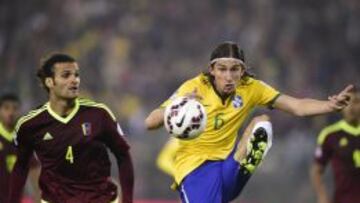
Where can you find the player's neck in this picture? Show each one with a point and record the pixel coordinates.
(61, 107)
(223, 96)
(353, 122)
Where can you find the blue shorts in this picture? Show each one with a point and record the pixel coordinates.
(214, 182)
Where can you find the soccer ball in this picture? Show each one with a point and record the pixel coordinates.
(185, 118)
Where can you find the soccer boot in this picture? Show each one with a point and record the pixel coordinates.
(258, 145)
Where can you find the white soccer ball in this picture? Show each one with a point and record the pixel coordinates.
(185, 118)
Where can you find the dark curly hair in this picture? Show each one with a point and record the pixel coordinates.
(47, 66)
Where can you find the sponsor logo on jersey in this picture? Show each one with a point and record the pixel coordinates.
(48, 136)
(237, 101)
(86, 128)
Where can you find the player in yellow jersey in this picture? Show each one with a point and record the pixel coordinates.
(211, 168)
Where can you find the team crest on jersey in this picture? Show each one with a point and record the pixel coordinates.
(343, 142)
(86, 128)
(237, 101)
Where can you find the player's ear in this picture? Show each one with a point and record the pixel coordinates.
(242, 71)
(211, 69)
(49, 82)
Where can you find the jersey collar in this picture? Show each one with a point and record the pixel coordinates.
(66, 119)
(5, 133)
(349, 128)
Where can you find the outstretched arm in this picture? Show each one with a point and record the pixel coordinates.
(316, 172)
(308, 107)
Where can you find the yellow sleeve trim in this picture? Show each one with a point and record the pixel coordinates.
(29, 116)
(88, 102)
(327, 131)
(272, 102)
(341, 125)
(5, 133)
(355, 131)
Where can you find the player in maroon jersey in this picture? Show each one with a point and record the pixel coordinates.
(70, 136)
(339, 144)
(9, 113)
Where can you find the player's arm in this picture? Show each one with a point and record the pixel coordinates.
(316, 173)
(308, 107)
(126, 176)
(114, 139)
(323, 154)
(155, 119)
(19, 173)
(34, 174)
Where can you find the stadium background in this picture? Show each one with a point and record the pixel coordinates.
(134, 53)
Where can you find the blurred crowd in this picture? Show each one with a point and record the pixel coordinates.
(134, 53)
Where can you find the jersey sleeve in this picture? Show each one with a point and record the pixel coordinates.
(166, 158)
(114, 136)
(324, 149)
(21, 168)
(115, 140)
(186, 88)
(265, 94)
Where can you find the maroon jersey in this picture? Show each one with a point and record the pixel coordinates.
(340, 144)
(75, 166)
(7, 161)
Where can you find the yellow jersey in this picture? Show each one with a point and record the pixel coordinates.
(166, 157)
(224, 119)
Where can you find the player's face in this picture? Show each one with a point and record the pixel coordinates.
(66, 81)
(352, 112)
(227, 74)
(9, 112)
